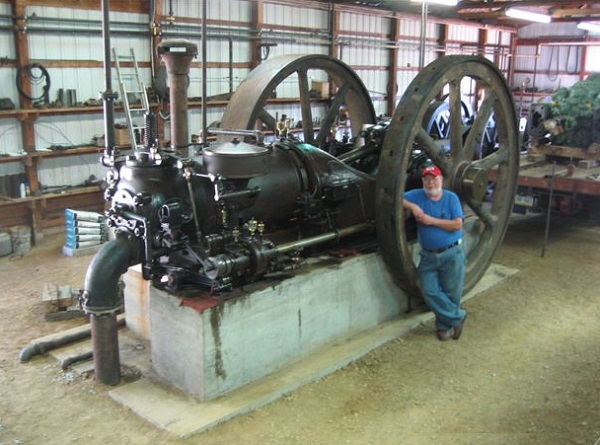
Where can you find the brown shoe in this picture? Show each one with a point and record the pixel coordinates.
(458, 329)
(443, 335)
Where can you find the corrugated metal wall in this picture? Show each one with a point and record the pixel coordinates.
(546, 66)
(368, 52)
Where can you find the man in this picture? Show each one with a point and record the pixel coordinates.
(439, 217)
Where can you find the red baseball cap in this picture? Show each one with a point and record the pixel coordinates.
(431, 170)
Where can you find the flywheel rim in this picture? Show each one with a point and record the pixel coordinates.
(486, 226)
(247, 105)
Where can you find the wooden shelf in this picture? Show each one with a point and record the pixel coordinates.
(72, 191)
(59, 153)
(23, 113)
(47, 210)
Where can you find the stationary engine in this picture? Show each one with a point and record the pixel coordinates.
(237, 211)
(241, 209)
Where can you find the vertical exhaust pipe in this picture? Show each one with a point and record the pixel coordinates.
(177, 54)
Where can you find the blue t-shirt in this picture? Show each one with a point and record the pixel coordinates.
(447, 207)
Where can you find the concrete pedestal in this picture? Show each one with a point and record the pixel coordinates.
(209, 346)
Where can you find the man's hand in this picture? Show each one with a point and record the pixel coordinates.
(425, 219)
(416, 211)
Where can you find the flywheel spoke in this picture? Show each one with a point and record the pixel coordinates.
(331, 114)
(307, 119)
(268, 119)
(492, 160)
(456, 143)
(476, 133)
(433, 150)
(483, 213)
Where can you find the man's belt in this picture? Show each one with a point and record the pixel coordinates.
(443, 249)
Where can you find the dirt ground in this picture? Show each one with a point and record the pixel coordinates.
(526, 371)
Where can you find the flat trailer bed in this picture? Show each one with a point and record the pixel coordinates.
(569, 176)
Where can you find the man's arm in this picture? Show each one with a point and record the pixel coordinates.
(452, 225)
(416, 211)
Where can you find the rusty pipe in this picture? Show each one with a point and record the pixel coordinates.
(101, 302)
(105, 348)
(177, 54)
(49, 342)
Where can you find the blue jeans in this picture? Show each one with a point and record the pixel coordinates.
(442, 277)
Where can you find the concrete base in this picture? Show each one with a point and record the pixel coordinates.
(183, 416)
(212, 345)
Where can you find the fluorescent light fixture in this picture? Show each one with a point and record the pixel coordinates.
(438, 2)
(589, 26)
(523, 14)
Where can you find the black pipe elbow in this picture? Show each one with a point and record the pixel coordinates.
(102, 277)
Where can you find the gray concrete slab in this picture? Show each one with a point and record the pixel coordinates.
(209, 346)
(184, 416)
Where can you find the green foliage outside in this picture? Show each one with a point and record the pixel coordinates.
(574, 107)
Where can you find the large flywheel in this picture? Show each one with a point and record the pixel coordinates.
(289, 76)
(487, 205)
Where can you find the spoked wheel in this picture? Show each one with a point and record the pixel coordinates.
(487, 214)
(290, 76)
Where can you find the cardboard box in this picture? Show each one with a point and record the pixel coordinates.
(122, 136)
(321, 87)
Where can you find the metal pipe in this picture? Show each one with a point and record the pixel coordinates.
(223, 265)
(102, 278)
(177, 56)
(180, 30)
(105, 347)
(108, 96)
(239, 193)
(319, 239)
(423, 36)
(204, 75)
(41, 346)
(101, 301)
(153, 29)
(549, 210)
(257, 134)
(230, 41)
(52, 341)
(357, 153)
